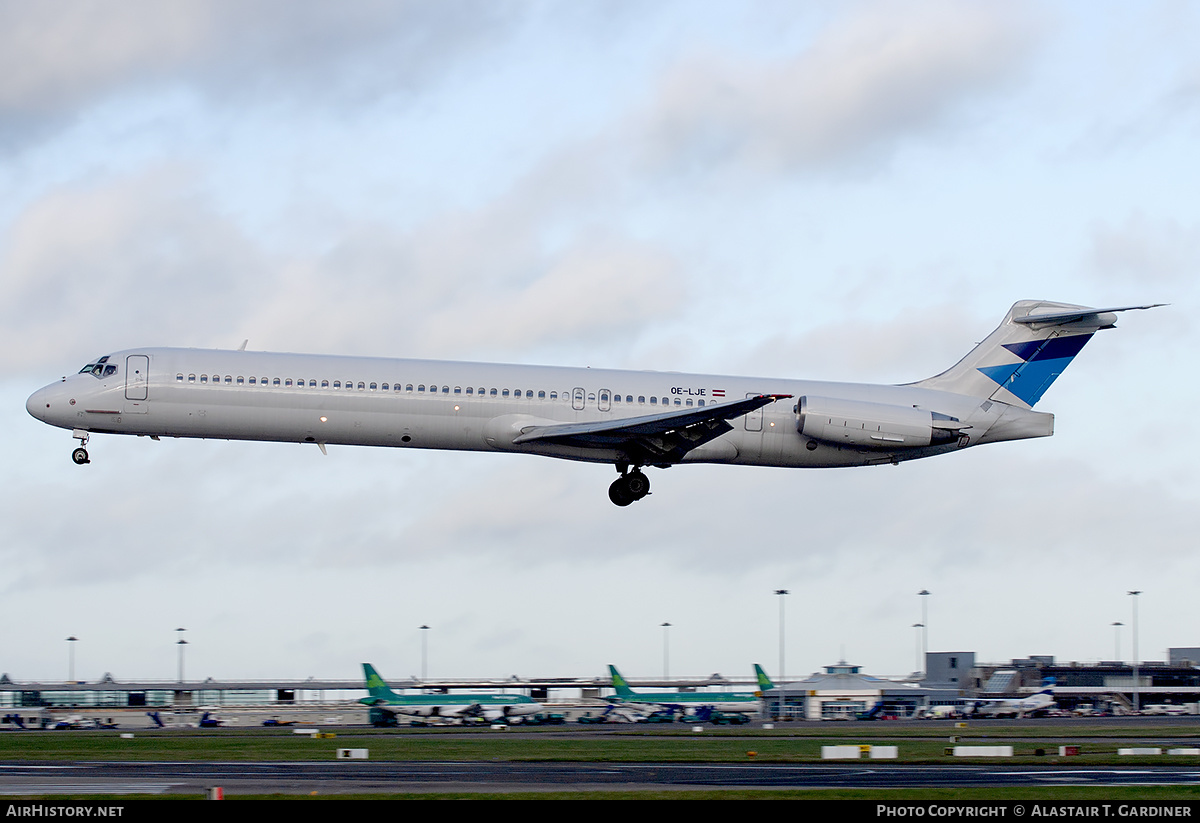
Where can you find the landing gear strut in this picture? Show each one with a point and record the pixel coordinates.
(80, 455)
(630, 486)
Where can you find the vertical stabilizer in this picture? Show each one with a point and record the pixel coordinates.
(764, 682)
(1019, 361)
(618, 682)
(376, 687)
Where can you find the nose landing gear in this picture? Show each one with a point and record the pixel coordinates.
(630, 486)
(80, 455)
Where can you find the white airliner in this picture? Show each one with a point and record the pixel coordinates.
(1035, 704)
(630, 419)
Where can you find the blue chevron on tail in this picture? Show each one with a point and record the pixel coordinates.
(1039, 365)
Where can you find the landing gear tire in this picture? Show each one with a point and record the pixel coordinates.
(629, 487)
(618, 494)
(80, 456)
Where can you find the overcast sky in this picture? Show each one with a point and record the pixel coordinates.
(839, 190)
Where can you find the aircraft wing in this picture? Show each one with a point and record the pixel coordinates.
(652, 439)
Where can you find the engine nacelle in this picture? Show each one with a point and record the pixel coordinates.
(866, 425)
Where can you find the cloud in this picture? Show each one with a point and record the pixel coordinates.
(58, 58)
(549, 262)
(149, 260)
(1144, 250)
(884, 72)
(137, 261)
(56, 55)
(461, 285)
(917, 344)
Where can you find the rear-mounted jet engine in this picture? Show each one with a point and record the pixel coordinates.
(866, 425)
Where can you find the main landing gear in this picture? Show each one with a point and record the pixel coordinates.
(80, 455)
(630, 486)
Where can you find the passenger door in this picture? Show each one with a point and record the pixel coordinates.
(137, 381)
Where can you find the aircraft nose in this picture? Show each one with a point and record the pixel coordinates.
(36, 404)
(45, 402)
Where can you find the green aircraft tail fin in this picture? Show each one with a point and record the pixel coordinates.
(618, 682)
(376, 687)
(764, 682)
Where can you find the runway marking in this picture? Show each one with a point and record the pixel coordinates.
(1080, 772)
(84, 788)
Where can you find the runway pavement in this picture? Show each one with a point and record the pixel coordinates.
(346, 777)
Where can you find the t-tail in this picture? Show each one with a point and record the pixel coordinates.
(1017, 362)
(764, 682)
(377, 690)
(618, 683)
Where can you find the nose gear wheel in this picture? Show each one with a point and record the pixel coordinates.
(80, 455)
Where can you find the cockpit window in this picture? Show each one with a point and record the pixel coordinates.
(99, 368)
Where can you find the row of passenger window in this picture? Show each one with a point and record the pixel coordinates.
(287, 382)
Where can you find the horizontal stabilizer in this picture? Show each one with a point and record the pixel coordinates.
(1058, 318)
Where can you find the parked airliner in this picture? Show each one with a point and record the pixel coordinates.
(1035, 704)
(386, 704)
(687, 703)
(630, 419)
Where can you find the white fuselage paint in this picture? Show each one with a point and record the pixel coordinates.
(166, 398)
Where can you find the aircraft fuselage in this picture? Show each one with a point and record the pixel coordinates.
(399, 403)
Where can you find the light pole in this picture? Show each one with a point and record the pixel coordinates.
(1137, 697)
(71, 658)
(1117, 624)
(917, 638)
(666, 627)
(781, 593)
(181, 643)
(924, 595)
(424, 653)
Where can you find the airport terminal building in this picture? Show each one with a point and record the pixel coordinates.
(843, 692)
(952, 681)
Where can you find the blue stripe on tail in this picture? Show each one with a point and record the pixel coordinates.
(1042, 362)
